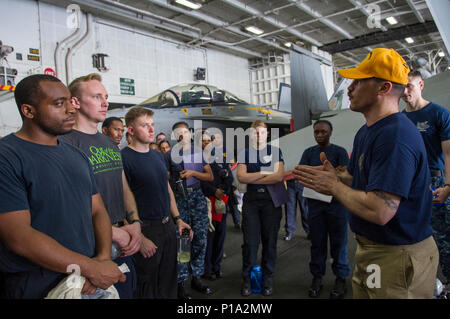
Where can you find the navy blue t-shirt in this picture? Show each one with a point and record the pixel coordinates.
(56, 184)
(147, 176)
(390, 156)
(336, 155)
(433, 123)
(257, 160)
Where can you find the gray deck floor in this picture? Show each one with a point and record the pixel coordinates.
(292, 276)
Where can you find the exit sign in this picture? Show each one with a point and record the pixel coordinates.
(126, 86)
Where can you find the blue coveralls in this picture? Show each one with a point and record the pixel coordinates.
(223, 179)
(295, 190)
(327, 219)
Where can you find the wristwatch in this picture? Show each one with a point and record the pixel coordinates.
(176, 218)
(135, 221)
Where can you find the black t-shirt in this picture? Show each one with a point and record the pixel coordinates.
(223, 178)
(106, 161)
(148, 179)
(56, 184)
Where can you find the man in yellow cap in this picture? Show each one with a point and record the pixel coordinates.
(386, 186)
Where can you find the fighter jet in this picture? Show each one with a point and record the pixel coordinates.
(213, 106)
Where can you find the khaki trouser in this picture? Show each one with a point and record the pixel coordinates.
(395, 272)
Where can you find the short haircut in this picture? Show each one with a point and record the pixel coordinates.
(29, 91)
(108, 122)
(160, 134)
(324, 122)
(397, 89)
(177, 124)
(74, 86)
(136, 112)
(257, 123)
(415, 73)
(165, 141)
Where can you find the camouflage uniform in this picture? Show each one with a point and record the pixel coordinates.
(194, 212)
(440, 222)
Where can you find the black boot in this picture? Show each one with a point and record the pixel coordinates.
(316, 287)
(182, 293)
(267, 287)
(246, 289)
(197, 284)
(339, 290)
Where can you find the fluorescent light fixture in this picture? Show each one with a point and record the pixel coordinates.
(288, 44)
(441, 54)
(189, 4)
(391, 20)
(409, 40)
(254, 30)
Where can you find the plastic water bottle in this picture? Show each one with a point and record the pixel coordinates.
(438, 289)
(184, 247)
(116, 251)
(435, 196)
(256, 280)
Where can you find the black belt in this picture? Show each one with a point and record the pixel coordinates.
(259, 190)
(435, 173)
(163, 221)
(191, 189)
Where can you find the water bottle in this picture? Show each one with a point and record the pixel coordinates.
(438, 289)
(116, 251)
(435, 196)
(184, 247)
(256, 280)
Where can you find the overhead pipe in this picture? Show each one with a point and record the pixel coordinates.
(292, 27)
(152, 15)
(61, 46)
(272, 21)
(363, 9)
(89, 5)
(416, 12)
(96, 8)
(71, 52)
(322, 19)
(218, 23)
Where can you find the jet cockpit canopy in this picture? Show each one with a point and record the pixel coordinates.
(191, 95)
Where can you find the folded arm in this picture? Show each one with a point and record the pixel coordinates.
(247, 178)
(275, 177)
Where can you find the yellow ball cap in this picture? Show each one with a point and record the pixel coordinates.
(380, 63)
